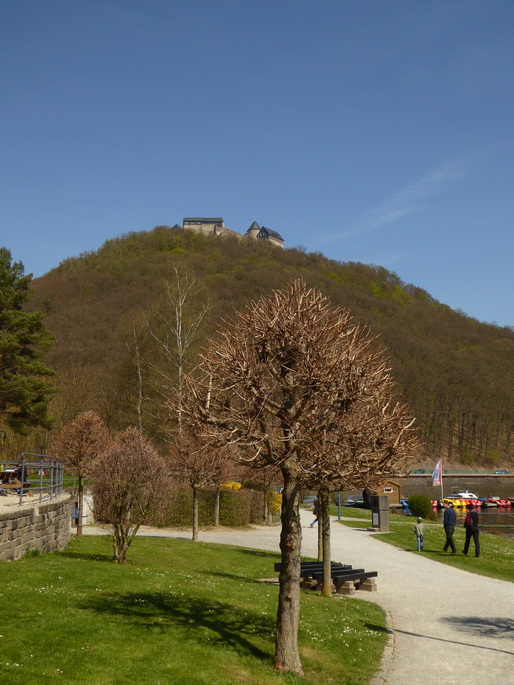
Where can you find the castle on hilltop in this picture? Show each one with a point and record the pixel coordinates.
(216, 226)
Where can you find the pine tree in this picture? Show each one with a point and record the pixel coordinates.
(25, 388)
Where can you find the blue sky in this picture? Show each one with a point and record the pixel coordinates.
(371, 131)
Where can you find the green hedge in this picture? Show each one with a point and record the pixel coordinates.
(237, 508)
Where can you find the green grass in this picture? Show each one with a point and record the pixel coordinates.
(497, 553)
(177, 612)
(358, 513)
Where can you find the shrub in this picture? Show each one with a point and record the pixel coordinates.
(237, 508)
(419, 505)
(274, 502)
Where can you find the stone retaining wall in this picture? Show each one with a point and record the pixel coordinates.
(44, 527)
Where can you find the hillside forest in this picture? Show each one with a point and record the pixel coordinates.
(132, 317)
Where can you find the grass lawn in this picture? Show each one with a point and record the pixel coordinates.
(177, 613)
(497, 553)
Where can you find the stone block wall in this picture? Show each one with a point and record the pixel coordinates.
(44, 527)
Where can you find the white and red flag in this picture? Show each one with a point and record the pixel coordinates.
(437, 473)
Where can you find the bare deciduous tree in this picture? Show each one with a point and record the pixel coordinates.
(380, 422)
(79, 443)
(137, 333)
(131, 482)
(177, 324)
(199, 465)
(294, 383)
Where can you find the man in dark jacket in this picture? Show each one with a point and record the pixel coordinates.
(472, 531)
(449, 523)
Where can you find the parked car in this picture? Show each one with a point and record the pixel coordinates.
(420, 471)
(500, 472)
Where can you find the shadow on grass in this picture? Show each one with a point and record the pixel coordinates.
(233, 576)
(376, 628)
(87, 557)
(200, 619)
(272, 556)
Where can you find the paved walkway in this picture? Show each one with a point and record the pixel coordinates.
(447, 625)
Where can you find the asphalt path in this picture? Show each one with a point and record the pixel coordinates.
(447, 625)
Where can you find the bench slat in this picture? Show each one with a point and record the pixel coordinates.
(340, 573)
(304, 565)
(355, 576)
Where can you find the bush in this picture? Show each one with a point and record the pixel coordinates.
(237, 508)
(419, 505)
(274, 502)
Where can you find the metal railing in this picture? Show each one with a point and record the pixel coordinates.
(38, 474)
(503, 518)
(462, 472)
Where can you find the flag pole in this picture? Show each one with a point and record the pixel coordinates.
(441, 479)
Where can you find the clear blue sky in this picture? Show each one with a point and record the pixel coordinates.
(373, 131)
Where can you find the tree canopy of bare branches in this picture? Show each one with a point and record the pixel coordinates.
(131, 481)
(292, 382)
(176, 324)
(79, 443)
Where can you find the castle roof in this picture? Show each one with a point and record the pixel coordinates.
(254, 226)
(272, 234)
(205, 220)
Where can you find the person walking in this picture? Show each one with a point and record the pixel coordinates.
(419, 530)
(449, 523)
(472, 530)
(315, 511)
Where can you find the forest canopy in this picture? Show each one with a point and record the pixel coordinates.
(454, 371)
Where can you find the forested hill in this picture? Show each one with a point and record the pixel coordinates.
(105, 307)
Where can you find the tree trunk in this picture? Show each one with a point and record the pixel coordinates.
(265, 503)
(217, 506)
(325, 541)
(320, 528)
(123, 534)
(287, 657)
(80, 507)
(195, 513)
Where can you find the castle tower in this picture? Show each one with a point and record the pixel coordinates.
(253, 230)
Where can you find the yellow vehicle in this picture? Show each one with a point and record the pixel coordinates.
(455, 501)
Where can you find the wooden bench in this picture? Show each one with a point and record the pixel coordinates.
(346, 580)
(16, 486)
(347, 584)
(309, 569)
(313, 565)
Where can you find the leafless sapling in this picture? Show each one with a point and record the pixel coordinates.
(79, 443)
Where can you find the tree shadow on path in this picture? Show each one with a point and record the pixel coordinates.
(493, 628)
(486, 627)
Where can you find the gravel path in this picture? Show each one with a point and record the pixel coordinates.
(447, 625)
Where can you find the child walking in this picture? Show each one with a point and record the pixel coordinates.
(419, 530)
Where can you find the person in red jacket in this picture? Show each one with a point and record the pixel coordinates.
(472, 530)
